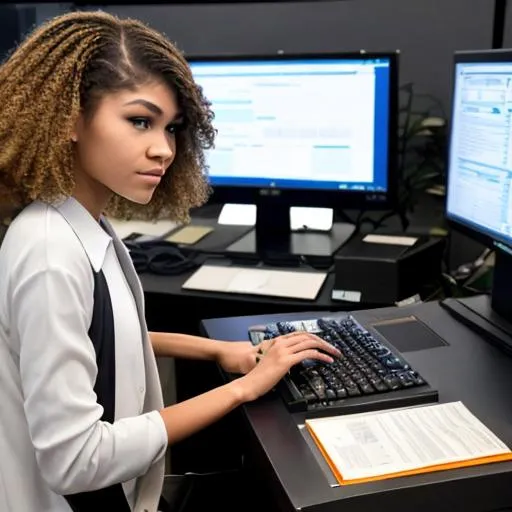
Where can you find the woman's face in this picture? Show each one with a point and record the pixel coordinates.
(126, 146)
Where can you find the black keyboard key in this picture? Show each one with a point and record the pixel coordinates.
(366, 387)
(330, 394)
(285, 327)
(417, 378)
(392, 381)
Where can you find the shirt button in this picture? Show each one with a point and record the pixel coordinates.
(141, 390)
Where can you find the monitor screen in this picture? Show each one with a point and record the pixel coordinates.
(312, 123)
(479, 192)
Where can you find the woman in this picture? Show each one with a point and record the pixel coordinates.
(100, 116)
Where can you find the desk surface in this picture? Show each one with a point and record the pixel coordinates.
(171, 285)
(467, 369)
(168, 287)
(166, 294)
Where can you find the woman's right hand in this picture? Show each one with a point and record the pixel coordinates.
(282, 353)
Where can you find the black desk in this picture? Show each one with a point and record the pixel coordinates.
(171, 308)
(468, 369)
(167, 302)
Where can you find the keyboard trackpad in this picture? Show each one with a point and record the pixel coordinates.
(408, 334)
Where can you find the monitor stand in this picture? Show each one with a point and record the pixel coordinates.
(491, 317)
(273, 239)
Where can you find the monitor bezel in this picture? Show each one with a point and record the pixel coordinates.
(338, 199)
(477, 57)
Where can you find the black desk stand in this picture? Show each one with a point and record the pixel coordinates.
(273, 239)
(307, 243)
(462, 366)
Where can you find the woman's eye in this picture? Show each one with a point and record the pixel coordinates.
(140, 122)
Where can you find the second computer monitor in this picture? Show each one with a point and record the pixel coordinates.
(479, 180)
(301, 130)
(316, 129)
(479, 195)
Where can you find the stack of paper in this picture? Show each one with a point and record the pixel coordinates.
(387, 444)
(298, 284)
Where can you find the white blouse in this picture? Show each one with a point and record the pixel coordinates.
(52, 440)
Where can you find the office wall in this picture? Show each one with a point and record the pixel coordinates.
(507, 36)
(9, 29)
(426, 31)
(50, 9)
(16, 20)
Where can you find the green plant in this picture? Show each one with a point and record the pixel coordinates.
(422, 152)
(423, 140)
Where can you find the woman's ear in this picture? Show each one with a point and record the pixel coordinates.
(76, 130)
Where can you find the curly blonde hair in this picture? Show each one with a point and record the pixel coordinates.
(61, 70)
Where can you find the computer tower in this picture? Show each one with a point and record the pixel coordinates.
(386, 273)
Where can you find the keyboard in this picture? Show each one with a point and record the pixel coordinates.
(370, 375)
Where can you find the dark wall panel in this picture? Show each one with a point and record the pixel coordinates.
(426, 31)
(507, 33)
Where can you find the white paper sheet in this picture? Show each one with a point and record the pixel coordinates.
(259, 281)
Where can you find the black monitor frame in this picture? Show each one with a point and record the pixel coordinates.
(482, 56)
(336, 199)
(489, 316)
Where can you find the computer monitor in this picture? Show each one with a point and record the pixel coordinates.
(479, 184)
(316, 130)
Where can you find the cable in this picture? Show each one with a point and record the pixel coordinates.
(376, 224)
(164, 258)
(467, 270)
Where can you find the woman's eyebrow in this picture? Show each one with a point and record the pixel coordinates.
(178, 117)
(145, 103)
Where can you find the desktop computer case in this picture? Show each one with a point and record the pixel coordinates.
(375, 273)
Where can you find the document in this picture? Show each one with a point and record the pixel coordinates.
(390, 240)
(189, 235)
(257, 281)
(400, 442)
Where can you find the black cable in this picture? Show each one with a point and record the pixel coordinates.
(166, 258)
(376, 224)
(447, 256)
